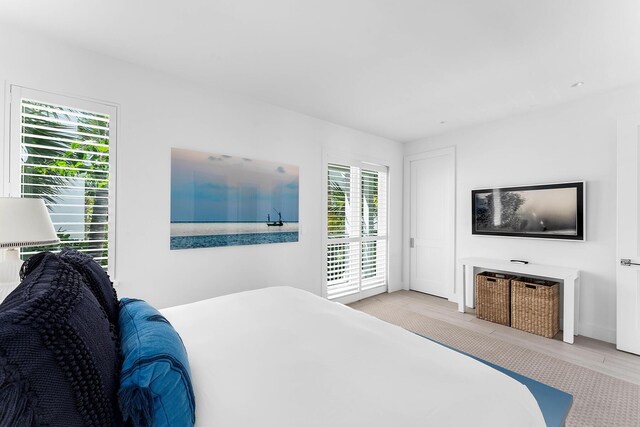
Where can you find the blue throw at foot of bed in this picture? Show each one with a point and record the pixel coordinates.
(554, 403)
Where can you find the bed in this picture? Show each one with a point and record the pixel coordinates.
(284, 357)
(72, 354)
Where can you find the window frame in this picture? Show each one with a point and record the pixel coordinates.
(368, 164)
(12, 179)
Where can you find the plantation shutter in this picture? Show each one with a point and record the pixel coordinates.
(356, 229)
(343, 249)
(374, 229)
(65, 159)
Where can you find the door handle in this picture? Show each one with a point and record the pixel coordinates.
(412, 243)
(627, 262)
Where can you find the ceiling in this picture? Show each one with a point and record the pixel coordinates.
(394, 68)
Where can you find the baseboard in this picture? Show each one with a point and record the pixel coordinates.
(393, 287)
(597, 332)
(453, 297)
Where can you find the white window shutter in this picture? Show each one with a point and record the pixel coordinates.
(356, 229)
(65, 160)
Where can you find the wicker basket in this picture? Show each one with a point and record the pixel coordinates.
(535, 306)
(493, 298)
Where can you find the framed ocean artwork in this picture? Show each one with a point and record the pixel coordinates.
(223, 200)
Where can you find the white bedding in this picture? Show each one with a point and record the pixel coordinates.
(284, 357)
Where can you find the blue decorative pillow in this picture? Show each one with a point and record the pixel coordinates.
(155, 382)
(59, 363)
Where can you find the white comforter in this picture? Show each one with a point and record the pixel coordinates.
(284, 357)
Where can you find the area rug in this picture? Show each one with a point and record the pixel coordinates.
(554, 403)
(598, 399)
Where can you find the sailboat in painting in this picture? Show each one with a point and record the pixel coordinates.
(277, 223)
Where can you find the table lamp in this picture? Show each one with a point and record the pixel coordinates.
(23, 222)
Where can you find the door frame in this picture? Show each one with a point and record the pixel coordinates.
(406, 229)
(627, 128)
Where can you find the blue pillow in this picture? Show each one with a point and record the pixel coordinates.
(59, 363)
(155, 382)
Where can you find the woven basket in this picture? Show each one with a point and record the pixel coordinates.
(493, 298)
(535, 306)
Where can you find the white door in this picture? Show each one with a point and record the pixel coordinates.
(432, 211)
(628, 268)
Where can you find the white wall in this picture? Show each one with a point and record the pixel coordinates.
(575, 141)
(157, 112)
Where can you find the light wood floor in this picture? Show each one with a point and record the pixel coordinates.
(593, 354)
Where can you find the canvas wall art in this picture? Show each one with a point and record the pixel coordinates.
(223, 200)
(554, 211)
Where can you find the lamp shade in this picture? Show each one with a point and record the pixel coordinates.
(25, 222)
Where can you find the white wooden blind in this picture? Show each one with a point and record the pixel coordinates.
(65, 160)
(356, 229)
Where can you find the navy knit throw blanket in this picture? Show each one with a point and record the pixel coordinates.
(59, 360)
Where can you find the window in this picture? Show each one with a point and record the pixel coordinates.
(356, 229)
(62, 150)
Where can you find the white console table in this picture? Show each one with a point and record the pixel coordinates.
(569, 279)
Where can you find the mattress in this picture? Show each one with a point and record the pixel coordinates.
(284, 357)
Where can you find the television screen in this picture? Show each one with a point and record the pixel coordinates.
(554, 211)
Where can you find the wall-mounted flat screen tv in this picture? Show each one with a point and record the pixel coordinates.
(551, 211)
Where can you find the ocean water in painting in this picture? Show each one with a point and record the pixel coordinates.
(222, 200)
(212, 234)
